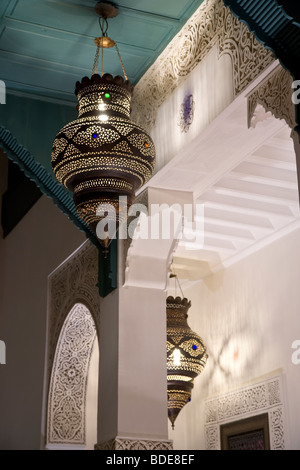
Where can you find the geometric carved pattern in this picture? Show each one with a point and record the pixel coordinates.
(277, 429)
(275, 95)
(120, 443)
(211, 25)
(67, 393)
(73, 282)
(262, 397)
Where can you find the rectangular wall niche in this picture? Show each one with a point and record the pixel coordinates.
(246, 434)
(254, 413)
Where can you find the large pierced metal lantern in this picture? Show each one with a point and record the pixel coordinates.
(186, 356)
(103, 155)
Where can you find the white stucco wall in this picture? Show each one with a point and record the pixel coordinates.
(211, 85)
(248, 316)
(43, 239)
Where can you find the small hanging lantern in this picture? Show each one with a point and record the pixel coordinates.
(186, 355)
(103, 157)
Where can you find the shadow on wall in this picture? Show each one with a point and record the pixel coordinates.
(237, 357)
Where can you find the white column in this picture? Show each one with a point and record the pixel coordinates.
(132, 376)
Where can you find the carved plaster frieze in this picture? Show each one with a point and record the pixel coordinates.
(275, 95)
(121, 443)
(261, 397)
(212, 24)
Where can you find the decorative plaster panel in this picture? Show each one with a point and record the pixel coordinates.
(67, 394)
(275, 95)
(134, 444)
(73, 318)
(261, 397)
(212, 24)
(74, 281)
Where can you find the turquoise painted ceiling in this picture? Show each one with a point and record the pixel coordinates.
(47, 45)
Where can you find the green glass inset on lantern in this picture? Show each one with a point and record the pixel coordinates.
(103, 145)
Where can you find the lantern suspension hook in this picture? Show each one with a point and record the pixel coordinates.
(103, 23)
(105, 10)
(174, 276)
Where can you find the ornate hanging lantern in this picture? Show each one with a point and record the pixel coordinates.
(186, 356)
(103, 156)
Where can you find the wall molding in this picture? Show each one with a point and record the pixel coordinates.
(264, 396)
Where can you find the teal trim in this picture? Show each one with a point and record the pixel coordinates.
(108, 267)
(44, 181)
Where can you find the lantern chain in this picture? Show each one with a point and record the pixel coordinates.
(122, 65)
(104, 28)
(173, 274)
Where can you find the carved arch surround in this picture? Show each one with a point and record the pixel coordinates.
(69, 379)
(74, 281)
(73, 321)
